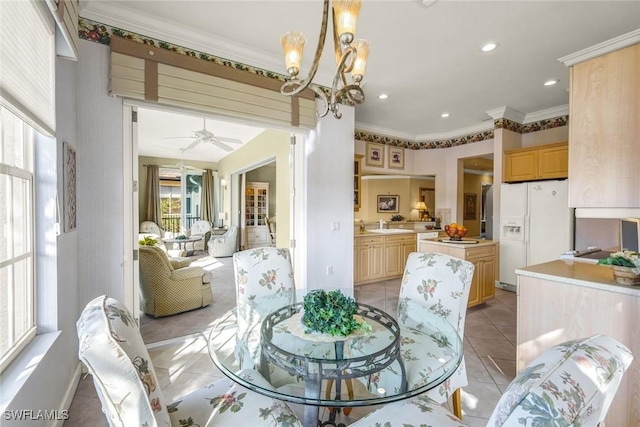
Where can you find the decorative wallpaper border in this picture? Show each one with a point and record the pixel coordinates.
(101, 33)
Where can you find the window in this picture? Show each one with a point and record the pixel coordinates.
(180, 199)
(17, 318)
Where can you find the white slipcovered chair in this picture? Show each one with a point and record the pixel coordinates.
(151, 229)
(224, 245)
(115, 355)
(437, 283)
(201, 229)
(571, 384)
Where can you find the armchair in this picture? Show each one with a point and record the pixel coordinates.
(112, 349)
(165, 290)
(224, 245)
(200, 229)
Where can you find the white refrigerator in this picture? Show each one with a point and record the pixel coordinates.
(536, 225)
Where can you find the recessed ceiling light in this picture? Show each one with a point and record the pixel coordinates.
(489, 47)
(444, 115)
(383, 96)
(551, 82)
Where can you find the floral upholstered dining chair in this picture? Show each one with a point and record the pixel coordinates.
(571, 384)
(436, 283)
(264, 283)
(112, 349)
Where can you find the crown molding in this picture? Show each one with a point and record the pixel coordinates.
(506, 113)
(480, 127)
(476, 172)
(549, 113)
(421, 177)
(603, 48)
(393, 133)
(111, 13)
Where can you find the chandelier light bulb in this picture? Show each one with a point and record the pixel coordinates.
(293, 45)
(346, 17)
(362, 49)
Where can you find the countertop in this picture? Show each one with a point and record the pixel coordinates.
(462, 245)
(400, 232)
(579, 274)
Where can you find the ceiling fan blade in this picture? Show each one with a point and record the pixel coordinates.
(178, 137)
(231, 140)
(193, 144)
(220, 145)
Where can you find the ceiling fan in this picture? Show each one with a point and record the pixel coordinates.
(204, 135)
(181, 165)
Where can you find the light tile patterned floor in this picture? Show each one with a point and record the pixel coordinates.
(183, 364)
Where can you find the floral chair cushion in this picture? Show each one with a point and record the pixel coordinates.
(570, 384)
(419, 411)
(264, 283)
(432, 282)
(112, 349)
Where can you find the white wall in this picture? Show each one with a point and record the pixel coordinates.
(329, 153)
(99, 174)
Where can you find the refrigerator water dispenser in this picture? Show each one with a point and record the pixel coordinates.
(512, 229)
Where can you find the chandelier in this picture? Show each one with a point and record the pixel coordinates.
(351, 57)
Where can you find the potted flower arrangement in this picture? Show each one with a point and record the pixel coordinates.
(331, 312)
(625, 266)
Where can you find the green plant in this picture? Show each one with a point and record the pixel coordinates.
(148, 241)
(396, 218)
(330, 312)
(629, 259)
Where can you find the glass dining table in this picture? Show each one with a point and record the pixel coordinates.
(309, 368)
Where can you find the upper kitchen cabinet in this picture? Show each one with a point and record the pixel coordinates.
(604, 129)
(541, 162)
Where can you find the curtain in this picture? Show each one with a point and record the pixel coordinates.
(207, 196)
(153, 211)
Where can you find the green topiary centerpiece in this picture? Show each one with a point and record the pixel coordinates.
(330, 312)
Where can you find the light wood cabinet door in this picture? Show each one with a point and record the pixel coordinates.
(521, 166)
(604, 129)
(363, 269)
(553, 162)
(376, 260)
(488, 288)
(476, 283)
(407, 248)
(393, 264)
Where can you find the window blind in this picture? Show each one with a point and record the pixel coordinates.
(27, 63)
(145, 72)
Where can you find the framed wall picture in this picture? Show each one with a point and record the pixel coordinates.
(388, 204)
(396, 157)
(375, 154)
(69, 178)
(470, 204)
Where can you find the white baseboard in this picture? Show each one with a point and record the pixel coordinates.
(65, 404)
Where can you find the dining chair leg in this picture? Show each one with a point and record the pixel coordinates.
(457, 403)
(349, 384)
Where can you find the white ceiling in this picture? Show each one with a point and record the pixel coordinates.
(427, 59)
(165, 133)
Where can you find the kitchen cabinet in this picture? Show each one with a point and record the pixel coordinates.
(256, 202)
(483, 256)
(369, 254)
(542, 162)
(357, 183)
(603, 130)
(381, 257)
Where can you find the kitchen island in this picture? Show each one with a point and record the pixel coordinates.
(563, 300)
(484, 256)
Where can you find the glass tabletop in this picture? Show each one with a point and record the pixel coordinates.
(312, 370)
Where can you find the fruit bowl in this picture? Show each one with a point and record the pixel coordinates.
(455, 232)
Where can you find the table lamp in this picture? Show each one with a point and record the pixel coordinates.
(421, 208)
